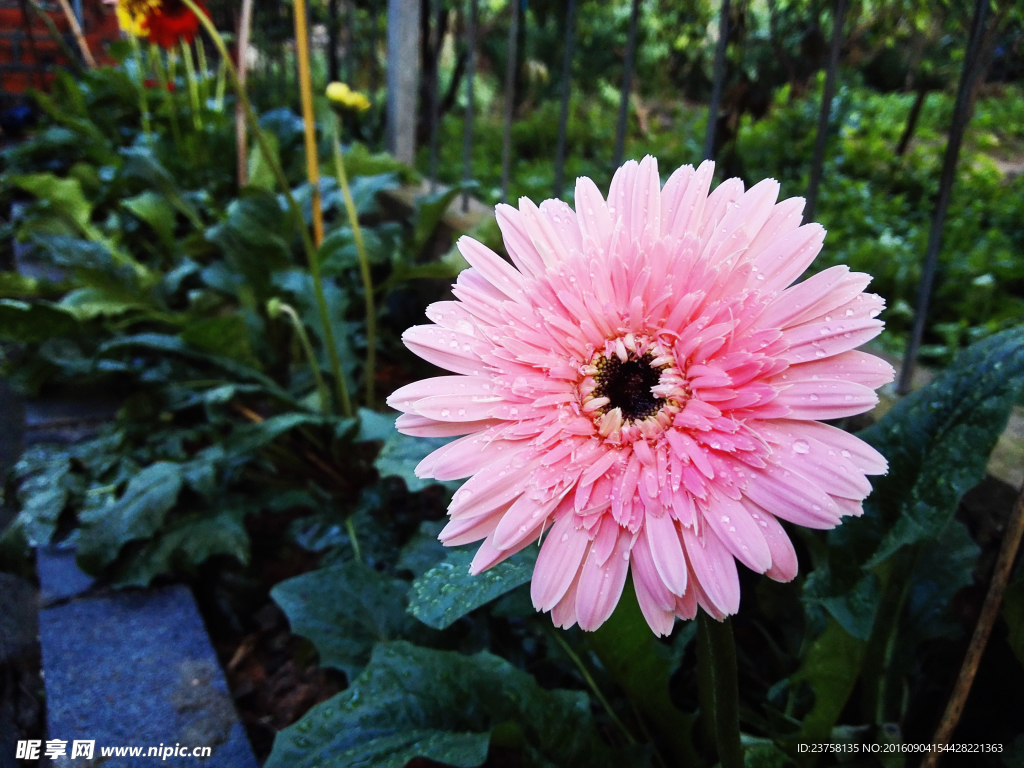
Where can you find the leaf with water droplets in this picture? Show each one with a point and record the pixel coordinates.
(414, 702)
(344, 610)
(447, 592)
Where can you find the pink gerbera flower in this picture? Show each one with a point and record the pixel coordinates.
(643, 386)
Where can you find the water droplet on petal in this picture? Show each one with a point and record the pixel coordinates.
(801, 446)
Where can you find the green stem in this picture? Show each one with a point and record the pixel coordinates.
(203, 72)
(307, 349)
(353, 539)
(585, 673)
(193, 86)
(218, 99)
(143, 99)
(165, 84)
(364, 267)
(293, 206)
(717, 659)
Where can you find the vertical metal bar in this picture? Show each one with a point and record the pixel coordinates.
(510, 98)
(961, 116)
(563, 114)
(627, 84)
(435, 90)
(467, 130)
(821, 140)
(403, 69)
(718, 81)
(333, 65)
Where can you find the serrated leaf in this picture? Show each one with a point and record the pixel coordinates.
(246, 439)
(413, 702)
(155, 210)
(138, 514)
(28, 322)
(43, 492)
(400, 455)
(423, 551)
(224, 335)
(62, 196)
(447, 592)
(345, 610)
(184, 545)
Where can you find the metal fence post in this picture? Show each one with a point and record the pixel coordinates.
(403, 69)
(627, 84)
(718, 80)
(510, 98)
(563, 114)
(467, 132)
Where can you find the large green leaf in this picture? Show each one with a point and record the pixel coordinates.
(138, 514)
(224, 335)
(830, 667)
(155, 210)
(890, 575)
(63, 197)
(447, 592)
(45, 484)
(345, 610)
(401, 453)
(25, 322)
(184, 545)
(255, 239)
(413, 702)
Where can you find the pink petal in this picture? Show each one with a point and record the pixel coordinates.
(714, 569)
(784, 561)
(498, 272)
(601, 585)
(444, 348)
(420, 426)
(739, 533)
(666, 548)
(558, 563)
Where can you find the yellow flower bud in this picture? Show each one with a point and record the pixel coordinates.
(343, 96)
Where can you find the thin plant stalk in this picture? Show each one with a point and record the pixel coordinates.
(241, 139)
(143, 98)
(308, 119)
(218, 98)
(592, 684)
(165, 85)
(364, 267)
(352, 538)
(203, 70)
(307, 350)
(717, 668)
(193, 85)
(307, 243)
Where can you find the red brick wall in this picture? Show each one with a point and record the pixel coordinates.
(20, 69)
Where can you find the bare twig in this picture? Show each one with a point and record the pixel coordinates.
(76, 30)
(989, 611)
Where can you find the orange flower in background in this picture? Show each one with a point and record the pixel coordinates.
(164, 22)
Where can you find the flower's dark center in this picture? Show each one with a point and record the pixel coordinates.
(627, 385)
